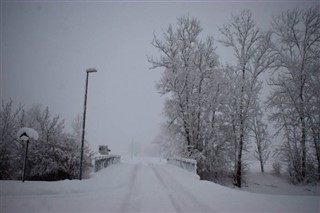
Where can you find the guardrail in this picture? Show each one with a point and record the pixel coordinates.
(103, 161)
(185, 163)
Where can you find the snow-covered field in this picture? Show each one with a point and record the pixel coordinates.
(144, 185)
(266, 183)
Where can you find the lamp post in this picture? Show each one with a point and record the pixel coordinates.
(84, 118)
(24, 134)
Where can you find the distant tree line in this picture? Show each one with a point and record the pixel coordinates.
(214, 111)
(54, 156)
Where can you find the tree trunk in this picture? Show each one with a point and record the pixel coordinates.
(303, 127)
(239, 162)
(235, 148)
(318, 159)
(186, 129)
(303, 146)
(260, 151)
(317, 150)
(261, 163)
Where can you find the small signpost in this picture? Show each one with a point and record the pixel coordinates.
(104, 150)
(24, 134)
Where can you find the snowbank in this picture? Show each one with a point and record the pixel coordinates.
(143, 185)
(266, 183)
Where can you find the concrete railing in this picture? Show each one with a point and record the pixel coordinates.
(185, 163)
(103, 161)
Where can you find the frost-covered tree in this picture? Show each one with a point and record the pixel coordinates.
(252, 50)
(295, 97)
(169, 143)
(75, 137)
(260, 135)
(54, 156)
(191, 81)
(9, 125)
(76, 126)
(188, 63)
(45, 153)
(178, 49)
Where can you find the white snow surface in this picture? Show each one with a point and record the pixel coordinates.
(143, 185)
(29, 131)
(266, 183)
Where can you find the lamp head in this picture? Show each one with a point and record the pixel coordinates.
(91, 70)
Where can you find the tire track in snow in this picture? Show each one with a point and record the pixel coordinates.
(127, 204)
(188, 200)
(173, 201)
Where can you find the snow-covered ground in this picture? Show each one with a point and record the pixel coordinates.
(266, 183)
(143, 185)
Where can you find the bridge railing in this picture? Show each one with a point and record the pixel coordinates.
(185, 163)
(103, 161)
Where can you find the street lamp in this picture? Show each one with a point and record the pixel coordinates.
(84, 118)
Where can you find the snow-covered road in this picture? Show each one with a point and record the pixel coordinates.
(154, 187)
(143, 185)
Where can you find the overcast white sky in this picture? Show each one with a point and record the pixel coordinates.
(47, 46)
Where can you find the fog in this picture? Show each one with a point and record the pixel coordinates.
(46, 48)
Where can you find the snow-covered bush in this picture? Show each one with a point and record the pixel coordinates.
(54, 156)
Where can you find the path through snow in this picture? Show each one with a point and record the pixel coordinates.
(143, 185)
